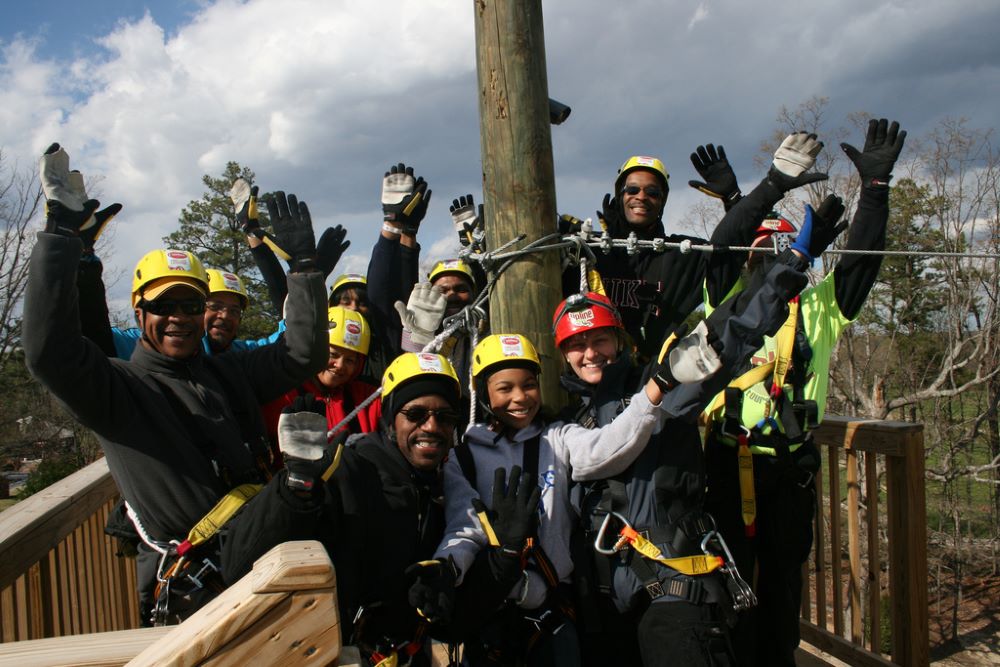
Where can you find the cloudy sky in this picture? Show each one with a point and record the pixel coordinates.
(318, 97)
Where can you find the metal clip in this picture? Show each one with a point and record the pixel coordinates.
(606, 244)
(599, 540)
(739, 590)
(207, 568)
(632, 244)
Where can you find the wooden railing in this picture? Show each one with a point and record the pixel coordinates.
(838, 625)
(59, 574)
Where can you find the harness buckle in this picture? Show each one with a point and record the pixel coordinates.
(655, 589)
(207, 569)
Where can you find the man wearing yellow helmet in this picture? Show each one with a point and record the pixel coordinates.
(655, 291)
(378, 511)
(180, 429)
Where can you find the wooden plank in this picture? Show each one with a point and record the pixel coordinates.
(239, 607)
(49, 599)
(820, 556)
(908, 554)
(21, 607)
(35, 602)
(874, 557)
(854, 546)
(840, 648)
(29, 529)
(83, 580)
(301, 630)
(8, 625)
(104, 649)
(881, 437)
(835, 542)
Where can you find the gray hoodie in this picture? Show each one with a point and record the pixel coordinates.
(566, 451)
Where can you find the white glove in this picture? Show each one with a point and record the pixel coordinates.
(693, 358)
(797, 153)
(399, 181)
(422, 315)
(59, 183)
(302, 435)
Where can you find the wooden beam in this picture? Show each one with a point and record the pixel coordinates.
(282, 612)
(518, 176)
(32, 527)
(840, 648)
(102, 649)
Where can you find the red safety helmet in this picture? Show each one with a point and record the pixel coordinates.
(774, 223)
(584, 312)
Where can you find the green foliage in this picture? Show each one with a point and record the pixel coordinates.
(208, 229)
(48, 472)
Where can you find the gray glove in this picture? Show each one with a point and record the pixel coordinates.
(794, 157)
(302, 439)
(421, 316)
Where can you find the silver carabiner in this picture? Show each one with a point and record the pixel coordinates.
(600, 534)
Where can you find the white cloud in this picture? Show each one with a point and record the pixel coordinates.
(700, 14)
(319, 97)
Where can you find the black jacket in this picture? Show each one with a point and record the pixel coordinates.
(376, 516)
(655, 292)
(177, 434)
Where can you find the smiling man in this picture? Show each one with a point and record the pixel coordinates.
(378, 512)
(180, 429)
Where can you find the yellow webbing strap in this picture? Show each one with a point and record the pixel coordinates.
(273, 245)
(389, 661)
(689, 565)
(223, 511)
(785, 341)
(595, 283)
(743, 382)
(748, 497)
(336, 462)
(484, 521)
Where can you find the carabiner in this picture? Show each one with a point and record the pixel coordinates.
(600, 534)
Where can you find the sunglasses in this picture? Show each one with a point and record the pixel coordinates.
(653, 191)
(420, 415)
(222, 308)
(170, 306)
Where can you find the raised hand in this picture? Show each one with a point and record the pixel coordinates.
(883, 143)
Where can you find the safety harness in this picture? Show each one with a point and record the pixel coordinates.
(786, 420)
(550, 618)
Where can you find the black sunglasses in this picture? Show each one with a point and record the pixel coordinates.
(170, 306)
(420, 415)
(653, 191)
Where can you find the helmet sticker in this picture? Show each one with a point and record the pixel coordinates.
(352, 338)
(582, 318)
(178, 261)
(230, 281)
(645, 160)
(353, 327)
(429, 363)
(510, 346)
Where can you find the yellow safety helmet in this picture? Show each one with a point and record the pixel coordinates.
(349, 280)
(415, 374)
(224, 281)
(507, 349)
(159, 270)
(642, 162)
(452, 266)
(348, 329)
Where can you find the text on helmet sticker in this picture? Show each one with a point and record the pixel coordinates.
(510, 346)
(582, 318)
(429, 363)
(178, 261)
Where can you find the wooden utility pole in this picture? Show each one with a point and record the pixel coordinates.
(518, 180)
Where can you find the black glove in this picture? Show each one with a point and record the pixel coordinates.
(820, 228)
(720, 180)
(330, 249)
(309, 458)
(68, 211)
(513, 517)
(609, 214)
(883, 144)
(432, 593)
(464, 218)
(293, 229)
(404, 198)
(90, 234)
(792, 161)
